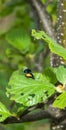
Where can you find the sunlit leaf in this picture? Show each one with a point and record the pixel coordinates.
(4, 113)
(61, 74)
(60, 101)
(54, 47)
(37, 35)
(29, 91)
(58, 49)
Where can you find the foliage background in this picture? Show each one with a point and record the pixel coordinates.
(18, 14)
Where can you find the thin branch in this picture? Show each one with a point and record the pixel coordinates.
(42, 114)
(43, 17)
(47, 26)
(39, 114)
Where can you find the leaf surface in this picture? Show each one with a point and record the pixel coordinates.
(54, 47)
(60, 101)
(50, 75)
(4, 113)
(19, 39)
(61, 74)
(28, 91)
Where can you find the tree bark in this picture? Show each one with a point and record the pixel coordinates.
(61, 27)
(47, 26)
(61, 22)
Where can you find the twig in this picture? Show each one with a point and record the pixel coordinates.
(47, 26)
(42, 114)
(43, 17)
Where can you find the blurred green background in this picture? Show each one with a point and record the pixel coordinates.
(18, 48)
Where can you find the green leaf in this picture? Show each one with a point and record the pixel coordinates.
(60, 101)
(37, 35)
(61, 74)
(58, 49)
(28, 91)
(19, 39)
(4, 113)
(54, 47)
(5, 11)
(50, 75)
(43, 1)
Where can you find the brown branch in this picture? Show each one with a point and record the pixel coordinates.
(42, 114)
(46, 24)
(39, 114)
(43, 17)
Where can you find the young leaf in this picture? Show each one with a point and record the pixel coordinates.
(37, 35)
(4, 113)
(54, 47)
(19, 39)
(29, 91)
(60, 101)
(61, 74)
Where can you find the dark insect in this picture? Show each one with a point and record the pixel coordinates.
(28, 73)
